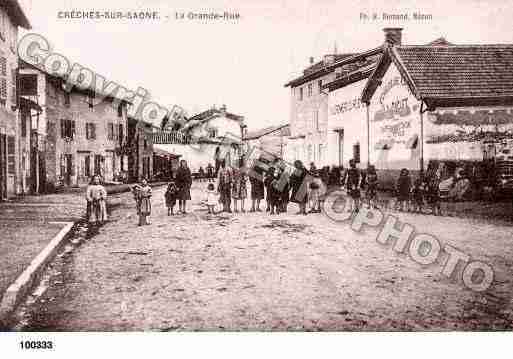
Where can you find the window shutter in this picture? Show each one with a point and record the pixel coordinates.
(72, 134)
(11, 154)
(3, 78)
(87, 167)
(3, 66)
(14, 99)
(63, 164)
(93, 131)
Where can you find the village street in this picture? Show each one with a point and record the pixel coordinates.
(259, 272)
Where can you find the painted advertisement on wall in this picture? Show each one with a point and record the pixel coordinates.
(347, 124)
(394, 124)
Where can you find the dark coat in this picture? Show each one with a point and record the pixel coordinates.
(184, 182)
(296, 182)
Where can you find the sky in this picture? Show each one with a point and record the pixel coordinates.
(244, 64)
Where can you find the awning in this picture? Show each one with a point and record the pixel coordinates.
(162, 151)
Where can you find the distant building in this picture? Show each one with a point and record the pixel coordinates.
(11, 159)
(139, 150)
(207, 137)
(77, 136)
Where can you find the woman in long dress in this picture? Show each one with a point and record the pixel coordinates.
(239, 189)
(224, 186)
(96, 197)
(257, 188)
(184, 182)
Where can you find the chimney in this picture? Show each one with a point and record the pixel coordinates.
(311, 60)
(393, 36)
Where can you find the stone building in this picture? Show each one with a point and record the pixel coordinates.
(140, 150)
(309, 111)
(11, 17)
(79, 135)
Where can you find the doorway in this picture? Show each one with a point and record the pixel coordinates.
(340, 147)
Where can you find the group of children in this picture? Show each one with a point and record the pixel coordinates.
(409, 195)
(412, 197)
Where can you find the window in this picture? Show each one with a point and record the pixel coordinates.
(315, 118)
(121, 133)
(87, 166)
(67, 99)
(320, 86)
(300, 94)
(110, 131)
(90, 131)
(310, 153)
(3, 80)
(11, 155)
(120, 111)
(67, 129)
(320, 152)
(310, 90)
(90, 101)
(212, 133)
(3, 24)
(14, 100)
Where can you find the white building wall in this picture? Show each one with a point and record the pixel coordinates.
(348, 114)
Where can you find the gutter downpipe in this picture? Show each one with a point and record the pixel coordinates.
(368, 134)
(421, 113)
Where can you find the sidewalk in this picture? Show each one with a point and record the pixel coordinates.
(28, 224)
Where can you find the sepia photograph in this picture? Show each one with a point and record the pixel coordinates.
(272, 167)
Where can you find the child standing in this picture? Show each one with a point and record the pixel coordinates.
(142, 195)
(433, 189)
(211, 198)
(417, 194)
(371, 193)
(403, 188)
(96, 197)
(353, 183)
(171, 196)
(269, 193)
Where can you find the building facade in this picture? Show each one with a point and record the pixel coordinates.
(347, 126)
(433, 103)
(78, 135)
(309, 111)
(11, 17)
(140, 150)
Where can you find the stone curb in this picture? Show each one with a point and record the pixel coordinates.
(20, 288)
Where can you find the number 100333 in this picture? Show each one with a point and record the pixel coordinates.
(36, 344)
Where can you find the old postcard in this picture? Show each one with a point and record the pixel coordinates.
(255, 166)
